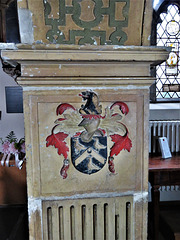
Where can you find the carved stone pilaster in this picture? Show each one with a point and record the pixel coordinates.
(78, 187)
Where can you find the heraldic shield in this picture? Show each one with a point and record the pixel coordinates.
(89, 130)
(89, 157)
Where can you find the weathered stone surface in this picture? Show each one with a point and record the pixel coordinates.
(97, 22)
(87, 161)
(105, 200)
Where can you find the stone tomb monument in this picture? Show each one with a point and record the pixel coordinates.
(86, 96)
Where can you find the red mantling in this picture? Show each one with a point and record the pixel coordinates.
(90, 116)
(120, 143)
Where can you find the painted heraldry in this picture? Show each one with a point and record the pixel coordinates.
(89, 130)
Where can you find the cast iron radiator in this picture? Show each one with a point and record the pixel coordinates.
(169, 129)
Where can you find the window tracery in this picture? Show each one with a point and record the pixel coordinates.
(167, 33)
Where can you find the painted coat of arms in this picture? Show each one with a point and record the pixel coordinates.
(89, 130)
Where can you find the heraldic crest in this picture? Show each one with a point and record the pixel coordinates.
(88, 131)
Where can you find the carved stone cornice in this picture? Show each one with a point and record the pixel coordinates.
(53, 64)
(112, 53)
(11, 68)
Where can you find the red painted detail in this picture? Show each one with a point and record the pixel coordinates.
(103, 131)
(61, 119)
(122, 106)
(77, 134)
(63, 171)
(90, 116)
(120, 143)
(111, 166)
(57, 140)
(63, 107)
(115, 114)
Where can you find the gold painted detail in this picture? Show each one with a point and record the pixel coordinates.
(85, 22)
(119, 11)
(87, 7)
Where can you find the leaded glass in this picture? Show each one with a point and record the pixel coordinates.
(168, 73)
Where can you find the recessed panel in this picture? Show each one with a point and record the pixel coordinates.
(87, 148)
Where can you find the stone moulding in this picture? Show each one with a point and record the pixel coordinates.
(86, 53)
(104, 62)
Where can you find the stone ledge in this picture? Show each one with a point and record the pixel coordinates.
(87, 53)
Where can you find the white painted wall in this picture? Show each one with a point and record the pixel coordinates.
(165, 111)
(9, 121)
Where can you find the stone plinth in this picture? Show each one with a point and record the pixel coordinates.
(86, 127)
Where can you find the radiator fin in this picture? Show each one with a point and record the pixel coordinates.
(168, 129)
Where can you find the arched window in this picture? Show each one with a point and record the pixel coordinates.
(166, 32)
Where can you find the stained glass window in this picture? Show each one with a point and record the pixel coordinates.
(168, 73)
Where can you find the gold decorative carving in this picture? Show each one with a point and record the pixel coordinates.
(119, 11)
(87, 8)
